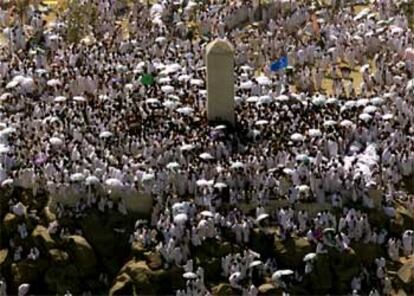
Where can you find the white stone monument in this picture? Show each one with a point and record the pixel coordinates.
(220, 81)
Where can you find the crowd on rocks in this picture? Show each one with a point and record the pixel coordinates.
(79, 122)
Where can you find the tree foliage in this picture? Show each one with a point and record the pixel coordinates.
(81, 18)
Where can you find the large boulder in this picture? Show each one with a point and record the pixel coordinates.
(58, 256)
(3, 256)
(141, 275)
(138, 250)
(222, 290)
(81, 254)
(406, 274)
(154, 260)
(62, 278)
(321, 278)
(262, 243)
(113, 247)
(28, 271)
(290, 253)
(137, 275)
(123, 286)
(42, 238)
(48, 215)
(268, 290)
(9, 223)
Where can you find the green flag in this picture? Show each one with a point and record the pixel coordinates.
(147, 79)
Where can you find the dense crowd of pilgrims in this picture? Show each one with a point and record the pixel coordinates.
(77, 120)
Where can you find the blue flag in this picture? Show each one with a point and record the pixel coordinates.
(279, 64)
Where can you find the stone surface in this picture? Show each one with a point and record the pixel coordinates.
(222, 290)
(42, 238)
(81, 254)
(220, 81)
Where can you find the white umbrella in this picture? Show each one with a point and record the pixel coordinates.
(4, 149)
(23, 289)
(365, 117)
(309, 257)
(331, 101)
(105, 134)
(7, 182)
(173, 165)
(220, 127)
(27, 83)
(170, 104)
(180, 218)
(262, 217)
(263, 80)
(265, 99)
(8, 130)
(346, 123)
(303, 188)
(246, 68)
(350, 104)
(388, 116)
(278, 274)
(147, 177)
(220, 185)
(246, 85)
(56, 141)
(364, 68)
(207, 214)
(370, 109)
(206, 156)
(237, 165)
(377, 101)
(396, 29)
(187, 147)
(53, 82)
(255, 263)
(113, 182)
(204, 183)
(252, 99)
(77, 177)
(329, 123)
(302, 157)
(234, 276)
(183, 77)
(12, 84)
(288, 171)
(152, 101)
(164, 80)
(167, 89)
(362, 102)
(282, 98)
(79, 99)
(297, 137)
(160, 39)
(197, 82)
(262, 122)
(319, 100)
(189, 275)
(90, 180)
(59, 99)
(5, 96)
(172, 68)
(185, 110)
(314, 133)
